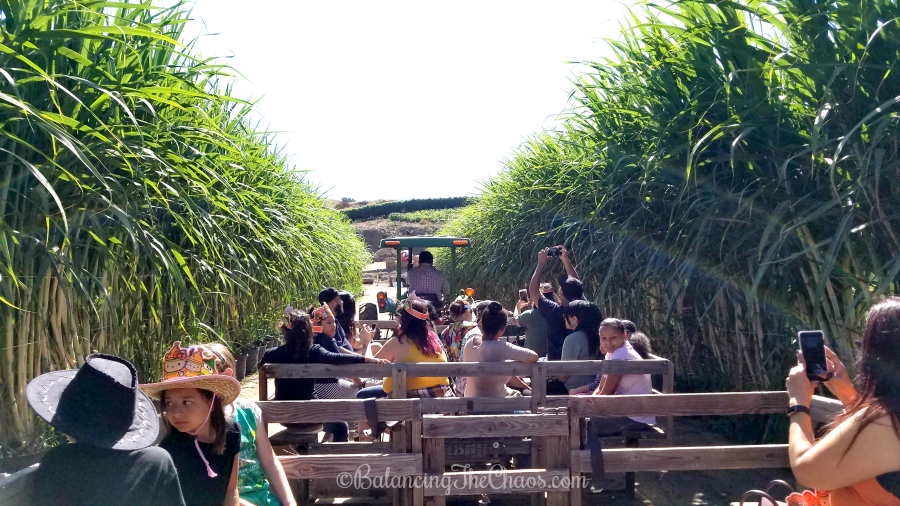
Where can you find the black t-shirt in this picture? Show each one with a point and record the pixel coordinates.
(85, 475)
(196, 485)
(303, 389)
(556, 327)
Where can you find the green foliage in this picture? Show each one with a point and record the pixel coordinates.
(729, 177)
(139, 203)
(427, 215)
(383, 209)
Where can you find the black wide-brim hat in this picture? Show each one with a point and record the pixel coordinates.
(98, 404)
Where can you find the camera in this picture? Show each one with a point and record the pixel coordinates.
(554, 251)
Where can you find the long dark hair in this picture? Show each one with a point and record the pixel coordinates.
(589, 318)
(216, 419)
(492, 320)
(298, 335)
(347, 317)
(419, 332)
(878, 380)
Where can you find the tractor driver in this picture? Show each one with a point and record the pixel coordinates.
(428, 282)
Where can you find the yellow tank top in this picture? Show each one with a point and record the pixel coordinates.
(416, 355)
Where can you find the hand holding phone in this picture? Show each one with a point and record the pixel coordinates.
(812, 345)
(523, 294)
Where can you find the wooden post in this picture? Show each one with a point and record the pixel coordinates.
(575, 430)
(433, 463)
(557, 455)
(538, 386)
(401, 439)
(538, 401)
(668, 387)
(263, 384)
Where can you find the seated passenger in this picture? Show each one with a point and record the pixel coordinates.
(535, 325)
(614, 343)
(858, 459)
(261, 479)
(112, 426)
(203, 443)
(414, 341)
(359, 337)
(583, 319)
(638, 340)
(493, 323)
(300, 349)
(325, 325)
(453, 337)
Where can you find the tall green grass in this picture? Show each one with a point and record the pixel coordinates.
(730, 176)
(140, 204)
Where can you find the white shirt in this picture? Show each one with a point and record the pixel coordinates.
(632, 384)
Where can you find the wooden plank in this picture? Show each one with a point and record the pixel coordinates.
(685, 458)
(740, 403)
(329, 488)
(494, 426)
(581, 367)
(467, 405)
(824, 409)
(469, 369)
(594, 367)
(398, 375)
(327, 371)
(516, 481)
(338, 410)
(263, 385)
(348, 448)
(365, 465)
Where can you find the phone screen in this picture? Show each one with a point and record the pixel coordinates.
(523, 294)
(812, 344)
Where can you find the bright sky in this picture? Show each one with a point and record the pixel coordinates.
(404, 99)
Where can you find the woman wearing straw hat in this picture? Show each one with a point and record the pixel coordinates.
(112, 425)
(203, 443)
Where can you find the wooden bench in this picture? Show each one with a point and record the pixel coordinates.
(543, 449)
(631, 460)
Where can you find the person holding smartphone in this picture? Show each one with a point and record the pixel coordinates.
(858, 459)
(527, 317)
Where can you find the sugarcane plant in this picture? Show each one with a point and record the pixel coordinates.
(728, 177)
(139, 201)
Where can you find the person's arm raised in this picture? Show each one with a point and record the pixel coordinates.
(564, 257)
(845, 456)
(534, 286)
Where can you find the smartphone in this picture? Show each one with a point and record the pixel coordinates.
(523, 294)
(812, 344)
(554, 252)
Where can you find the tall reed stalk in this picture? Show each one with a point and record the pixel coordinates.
(730, 176)
(139, 202)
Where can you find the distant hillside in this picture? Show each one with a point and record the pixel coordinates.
(380, 210)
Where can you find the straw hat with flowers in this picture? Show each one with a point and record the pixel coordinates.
(193, 367)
